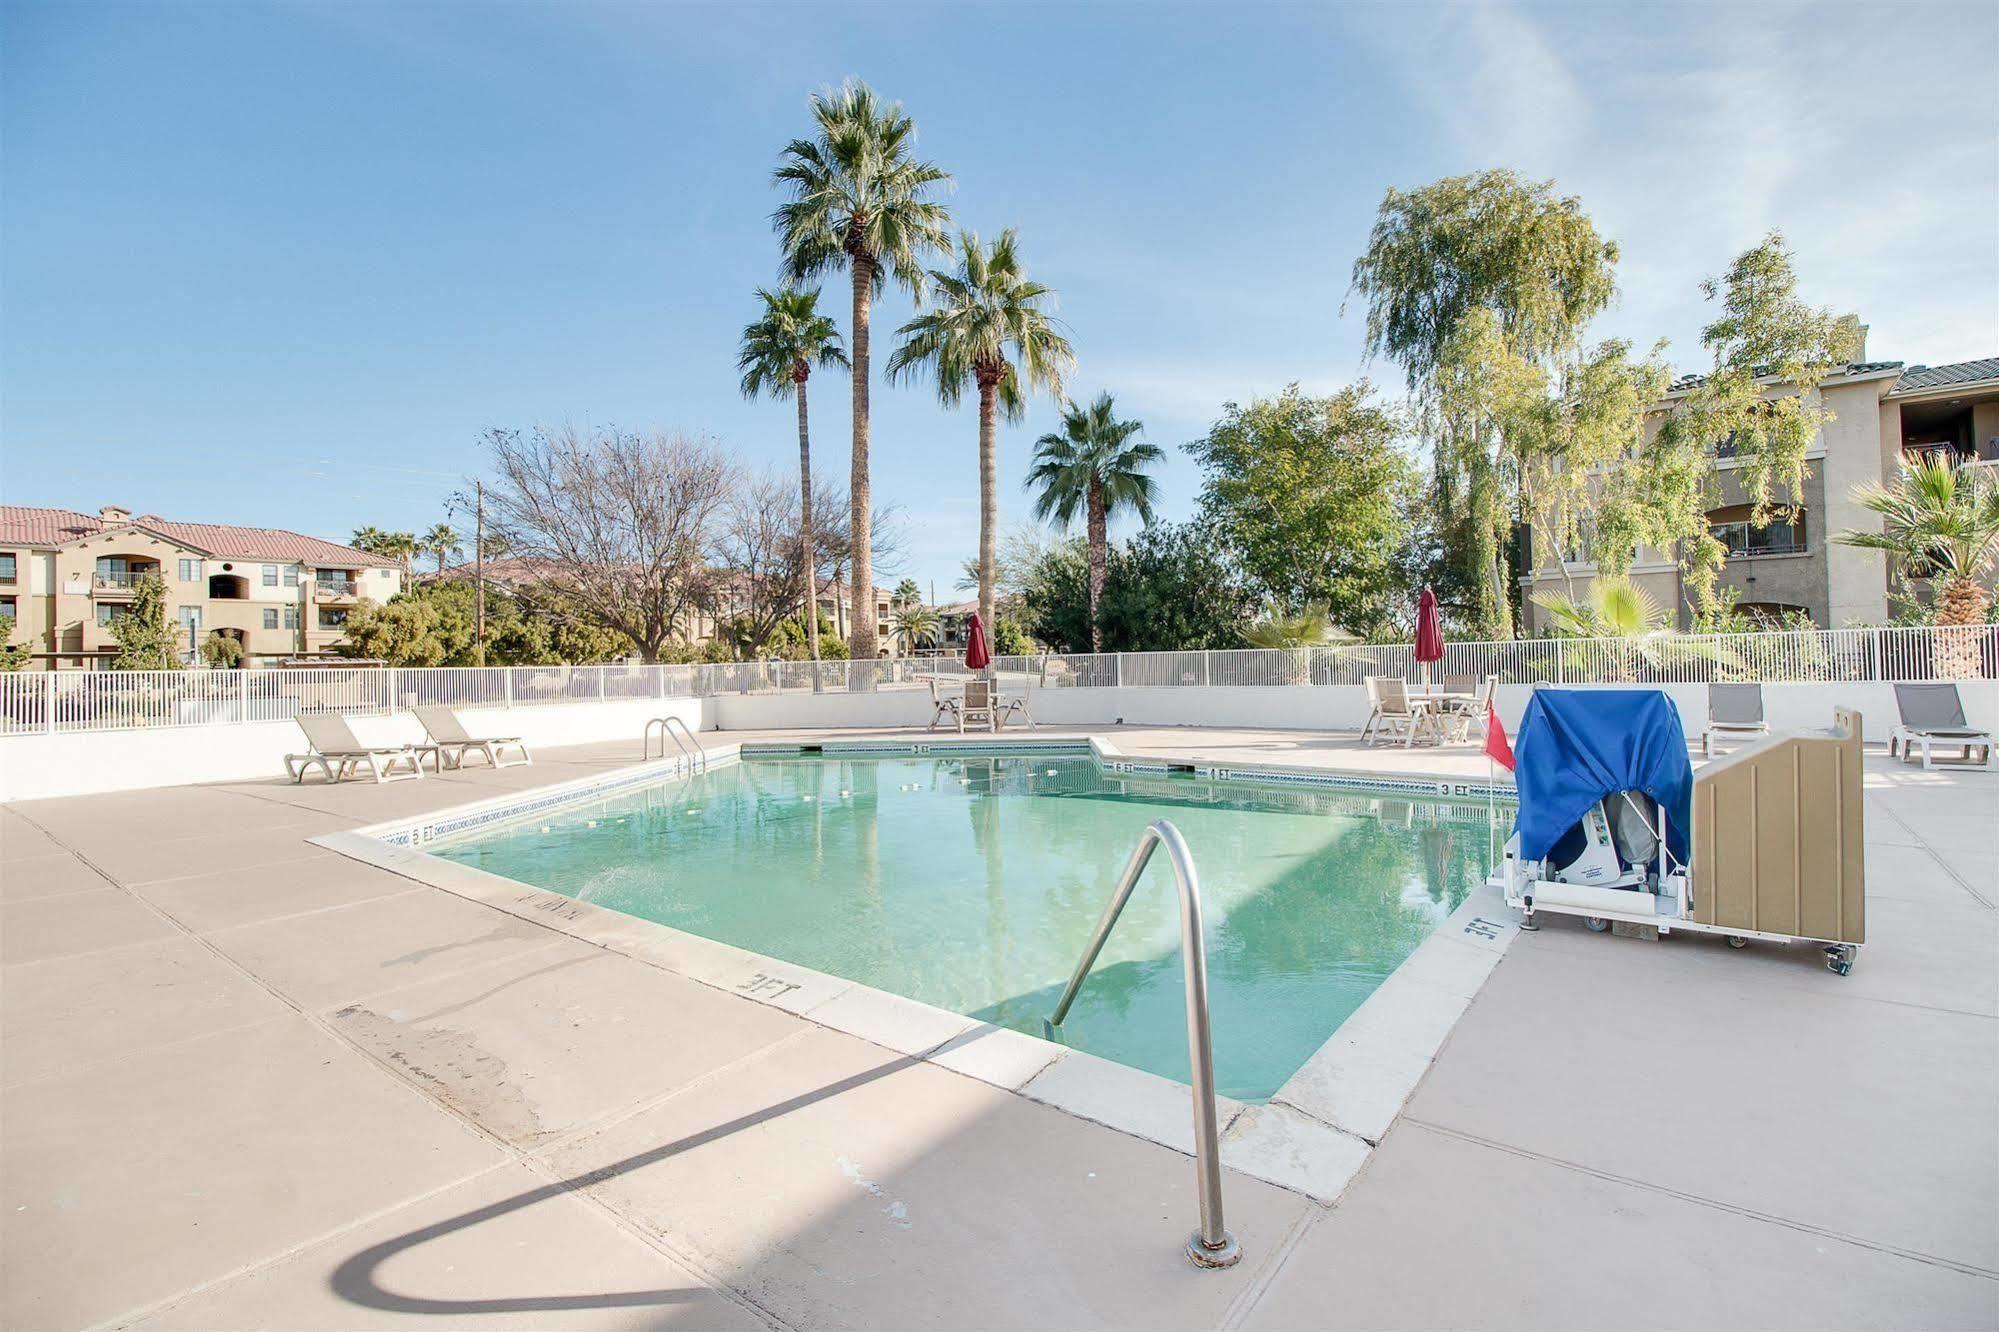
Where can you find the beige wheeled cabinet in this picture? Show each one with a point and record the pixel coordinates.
(1776, 853)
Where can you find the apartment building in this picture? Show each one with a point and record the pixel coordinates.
(66, 577)
(1882, 412)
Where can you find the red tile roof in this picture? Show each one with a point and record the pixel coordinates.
(21, 526)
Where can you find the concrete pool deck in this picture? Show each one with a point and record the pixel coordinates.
(251, 1083)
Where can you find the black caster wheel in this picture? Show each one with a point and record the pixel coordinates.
(1737, 941)
(1595, 924)
(1839, 959)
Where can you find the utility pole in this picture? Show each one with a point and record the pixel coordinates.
(479, 573)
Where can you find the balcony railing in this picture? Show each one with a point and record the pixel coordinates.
(103, 584)
(334, 589)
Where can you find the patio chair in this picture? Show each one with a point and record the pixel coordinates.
(942, 705)
(450, 741)
(337, 752)
(1933, 714)
(1733, 709)
(1469, 712)
(1010, 704)
(977, 706)
(1393, 712)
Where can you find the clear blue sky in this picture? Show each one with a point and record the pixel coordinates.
(280, 264)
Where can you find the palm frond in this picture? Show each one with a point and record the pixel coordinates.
(856, 191)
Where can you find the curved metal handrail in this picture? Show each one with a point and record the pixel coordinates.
(666, 732)
(1211, 1245)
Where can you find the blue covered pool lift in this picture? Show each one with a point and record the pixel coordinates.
(1606, 793)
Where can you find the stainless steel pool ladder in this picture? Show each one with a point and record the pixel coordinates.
(1211, 1245)
(691, 750)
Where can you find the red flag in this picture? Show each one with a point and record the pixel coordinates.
(1496, 747)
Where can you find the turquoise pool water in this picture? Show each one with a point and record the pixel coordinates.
(972, 883)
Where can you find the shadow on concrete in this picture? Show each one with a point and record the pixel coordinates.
(355, 1279)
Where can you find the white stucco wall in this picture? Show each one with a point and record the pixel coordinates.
(81, 763)
(35, 767)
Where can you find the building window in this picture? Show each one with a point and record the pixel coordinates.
(1781, 536)
(270, 575)
(189, 617)
(109, 612)
(1581, 548)
(388, 573)
(332, 617)
(291, 617)
(7, 609)
(270, 617)
(7, 567)
(190, 571)
(291, 575)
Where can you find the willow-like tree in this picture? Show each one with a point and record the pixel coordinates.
(1475, 285)
(778, 353)
(989, 327)
(860, 199)
(1094, 466)
(1772, 351)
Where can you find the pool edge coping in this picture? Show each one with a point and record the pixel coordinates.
(1313, 1135)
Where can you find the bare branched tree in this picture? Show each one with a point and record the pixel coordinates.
(619, 522)
(761, 577)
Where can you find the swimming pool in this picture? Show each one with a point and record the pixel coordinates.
(971, 882)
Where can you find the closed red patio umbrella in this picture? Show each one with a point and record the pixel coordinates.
(1429, 632)
(977, 655)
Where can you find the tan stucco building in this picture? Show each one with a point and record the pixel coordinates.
(1881, 411)
(65, 577)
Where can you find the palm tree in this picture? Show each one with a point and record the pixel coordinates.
(859, 199)
(915, 625)
(907, 593)
(1638, 627)
(369, 539)
(988, 328)
(1940, 522)
(443, 543)
(402, 546)
(1309, 628)
(1093, 465)
(777, 357)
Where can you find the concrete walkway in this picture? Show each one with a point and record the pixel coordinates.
(249, 1083)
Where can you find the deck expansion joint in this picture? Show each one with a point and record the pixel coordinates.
(1750, 1213)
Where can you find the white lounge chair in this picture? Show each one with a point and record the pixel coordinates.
(1733, 710)
(336, 752)
(1933, 714)
(450, 741)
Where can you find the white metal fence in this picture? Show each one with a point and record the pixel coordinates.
(52, 701)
